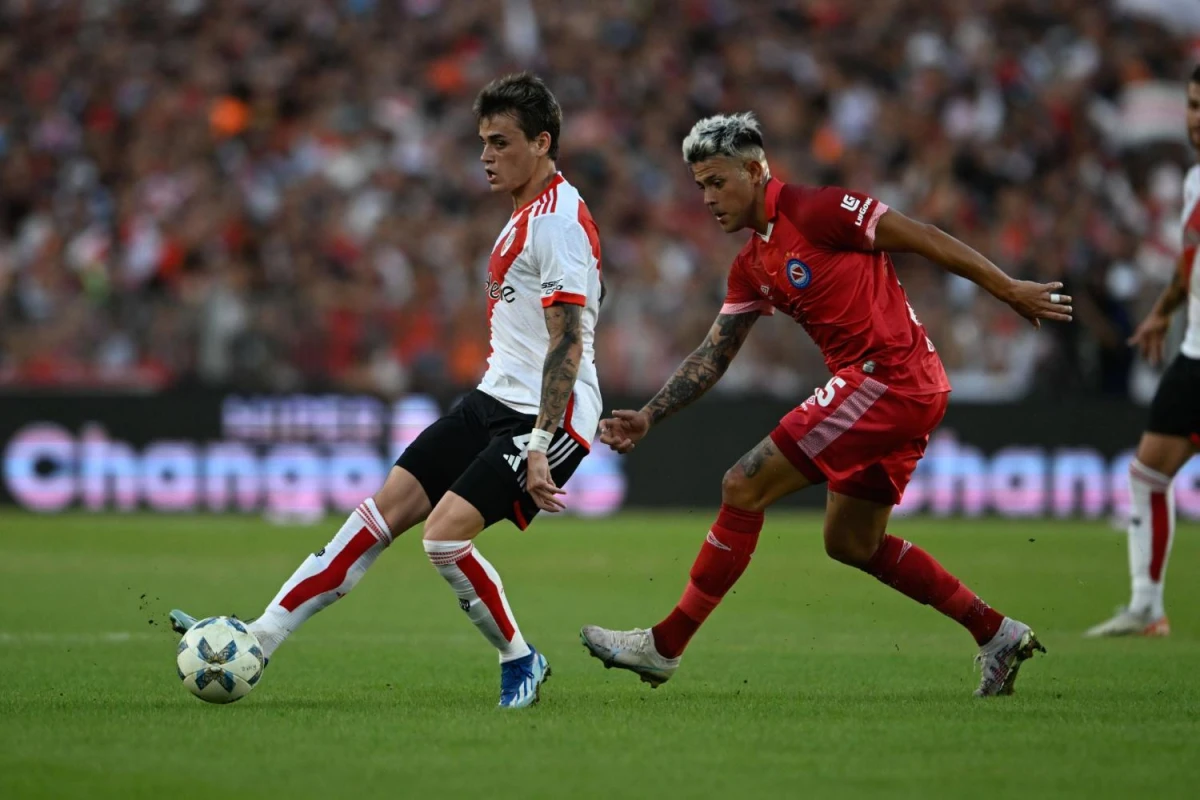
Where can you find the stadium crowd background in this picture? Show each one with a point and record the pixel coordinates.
(286, 194)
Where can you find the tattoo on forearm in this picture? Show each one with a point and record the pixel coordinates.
(704, 367)
(565, 325)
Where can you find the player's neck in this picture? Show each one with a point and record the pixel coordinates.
(758, 220)
(535, 185)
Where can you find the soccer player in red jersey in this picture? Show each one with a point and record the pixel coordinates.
(820, 255)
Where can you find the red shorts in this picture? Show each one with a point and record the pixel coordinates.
(861, 435)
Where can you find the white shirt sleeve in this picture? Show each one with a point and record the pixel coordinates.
(564, 256)
(1191, 193)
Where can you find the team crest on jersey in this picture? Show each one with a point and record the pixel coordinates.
(512, 234)
(798, 273)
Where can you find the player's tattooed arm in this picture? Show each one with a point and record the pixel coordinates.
(701, 370)
(564, 322)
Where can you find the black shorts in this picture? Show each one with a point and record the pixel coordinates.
(1176, 407)
(478, 451)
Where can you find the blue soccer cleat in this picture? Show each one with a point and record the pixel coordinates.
(521, 680)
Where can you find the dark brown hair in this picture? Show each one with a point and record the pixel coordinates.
(530, 103)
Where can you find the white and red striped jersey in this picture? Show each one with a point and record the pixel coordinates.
(549, 252)
(1191, 254)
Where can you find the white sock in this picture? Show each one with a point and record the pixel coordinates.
(1151, 531)
(326, 575)
(480, 594)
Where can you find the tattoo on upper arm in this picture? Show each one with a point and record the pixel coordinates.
(564, 319)
(564, 323)
(705, 366)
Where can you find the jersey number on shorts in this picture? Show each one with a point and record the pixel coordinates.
(825, 396)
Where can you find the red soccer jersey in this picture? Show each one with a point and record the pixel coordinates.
(817, 263)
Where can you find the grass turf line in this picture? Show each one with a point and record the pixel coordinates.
(812, 679)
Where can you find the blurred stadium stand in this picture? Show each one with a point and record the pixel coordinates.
(284, 195)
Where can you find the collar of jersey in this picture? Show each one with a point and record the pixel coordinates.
(774, 187)
(555, 181)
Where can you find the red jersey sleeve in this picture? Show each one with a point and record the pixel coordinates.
(741, 295)
(837, 218)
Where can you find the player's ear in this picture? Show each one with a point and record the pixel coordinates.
(541, 143)
(756, 172)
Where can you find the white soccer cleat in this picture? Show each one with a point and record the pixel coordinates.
(181, 621)
(1131, 623)
(1001, 658)
(632, 650)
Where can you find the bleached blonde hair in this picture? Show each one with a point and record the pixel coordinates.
(733, 135)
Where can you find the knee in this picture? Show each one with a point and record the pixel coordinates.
(1159, 457)
(393, 511)
(438, 525)
(401, 501)
(453, 520)
(740, 491)
(849, 550)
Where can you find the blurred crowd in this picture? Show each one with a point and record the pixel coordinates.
(286, 194)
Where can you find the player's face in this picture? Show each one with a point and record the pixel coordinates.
(730, 189)
(509, 158)
(1193, 114)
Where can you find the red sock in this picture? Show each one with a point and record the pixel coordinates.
(910, 570)
(723, 558)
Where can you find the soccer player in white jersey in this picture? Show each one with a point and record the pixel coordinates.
(508, 447)
(1172, 433)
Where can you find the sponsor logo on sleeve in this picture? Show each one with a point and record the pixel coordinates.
(862, 212)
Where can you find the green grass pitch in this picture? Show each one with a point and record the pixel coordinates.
(811, 680)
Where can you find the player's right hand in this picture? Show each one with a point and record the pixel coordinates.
(624, 429)
(1150, 337)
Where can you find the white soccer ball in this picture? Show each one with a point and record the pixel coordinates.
(219, 660)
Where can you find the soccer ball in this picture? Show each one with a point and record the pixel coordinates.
(219, 660)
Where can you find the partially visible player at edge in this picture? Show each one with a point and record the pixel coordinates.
(821, 256)
(505, 450)
(1172, 433)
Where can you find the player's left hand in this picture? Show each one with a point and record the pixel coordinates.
(1151, 336)
(540, 483)
(1038, 301)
